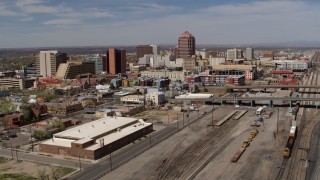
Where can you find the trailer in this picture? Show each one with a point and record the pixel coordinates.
(238, 154)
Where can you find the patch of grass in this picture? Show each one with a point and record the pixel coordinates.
(64, 170)
(3, 160)
(16, 177)
(5, 168)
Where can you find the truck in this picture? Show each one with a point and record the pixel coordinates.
(259, 111)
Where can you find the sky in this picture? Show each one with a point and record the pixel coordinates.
(52, 23)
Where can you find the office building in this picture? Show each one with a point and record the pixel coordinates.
(189, 63)
(186, 45)
(233, 54)
(155, 98)
(70, 70)
(19, 83)
(47, 62)
(116, 61)
(98, 59)
(249, 54)
(147, 49)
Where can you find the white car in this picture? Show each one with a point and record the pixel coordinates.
(33, 139)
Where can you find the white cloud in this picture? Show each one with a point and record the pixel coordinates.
(146, 8)
(5, 11)
(26, 18)
(64, 22)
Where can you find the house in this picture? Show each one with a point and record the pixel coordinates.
(14, 119)
(83, 84)
(39, 111)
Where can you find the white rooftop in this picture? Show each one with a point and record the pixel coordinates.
(95, 128)
(109, 129)
(194, 96)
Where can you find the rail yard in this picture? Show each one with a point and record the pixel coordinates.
(229, 144)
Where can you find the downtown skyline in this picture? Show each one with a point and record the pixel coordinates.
(44, 23)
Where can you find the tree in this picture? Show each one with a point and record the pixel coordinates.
(196, 88)
(89, 103)
(8, 107)
(56, 172)
(42, 175)
(112, 87)
(58, 124)
(39, 134)
(27, 113)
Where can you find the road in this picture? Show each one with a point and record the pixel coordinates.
(313, 171)
(71, 163)
(100, 169)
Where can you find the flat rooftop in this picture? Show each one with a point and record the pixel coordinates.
(108, 129)
(194, 96)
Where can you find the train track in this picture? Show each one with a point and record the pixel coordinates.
(178, 166)
(294, 168)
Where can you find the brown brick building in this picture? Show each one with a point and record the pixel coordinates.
(96, 139)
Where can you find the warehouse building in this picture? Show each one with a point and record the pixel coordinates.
(98, 138)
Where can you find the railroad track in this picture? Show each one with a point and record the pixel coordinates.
(282, 168)
(297, 169)
(178, 166)
(296, 165)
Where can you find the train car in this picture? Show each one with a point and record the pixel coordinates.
(290, 143)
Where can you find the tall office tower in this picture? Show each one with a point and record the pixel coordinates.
(186, 45)
(98, 59)
(234, 54)
(268, 54)
(47, 62)
(116, 61)
(147, 49)
(155, 49)
(249, 54)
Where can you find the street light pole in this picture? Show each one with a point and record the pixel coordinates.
(79, 161)
(178, 121)
(110, 158)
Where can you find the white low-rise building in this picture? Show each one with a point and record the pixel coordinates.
(294, 65)
(173, 75)
(156, 98)
(136, 99)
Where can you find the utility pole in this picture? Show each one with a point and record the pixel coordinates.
(31, 137)
(182, 119)
(150, 140)
(277, 120)
(11, 151)
(17, 154)
(212, 109)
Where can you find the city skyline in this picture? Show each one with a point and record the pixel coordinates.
(45, 23)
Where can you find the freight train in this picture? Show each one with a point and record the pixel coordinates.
(290, 143)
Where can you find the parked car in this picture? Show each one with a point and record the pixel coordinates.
(33, 139)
